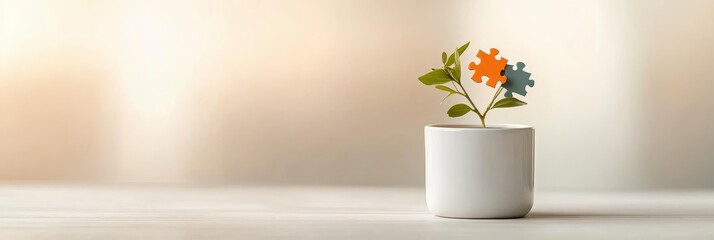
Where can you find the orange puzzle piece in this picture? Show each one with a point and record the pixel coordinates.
(489, 67)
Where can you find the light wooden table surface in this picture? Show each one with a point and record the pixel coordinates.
(236, 212)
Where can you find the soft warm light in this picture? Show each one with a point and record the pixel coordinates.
(325, 92)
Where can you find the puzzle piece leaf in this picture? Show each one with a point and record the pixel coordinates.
(508, 102)
(459, 110)
(436, 76)
(517, 81)
(489, 67)
(443, 57)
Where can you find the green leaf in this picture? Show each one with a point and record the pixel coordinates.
(443, 57)
(508, 102)
(451, 73)
(449, 61)
(461, 50)
(437, 76)
(457, 66)
(445, 88)
(459, 110)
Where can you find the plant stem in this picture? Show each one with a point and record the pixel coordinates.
(498, 93)
(475, 109)
(483, 118)
(455, 88)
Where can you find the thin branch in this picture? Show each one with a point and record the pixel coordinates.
(455, 88)
(498, 93)
(466, 94)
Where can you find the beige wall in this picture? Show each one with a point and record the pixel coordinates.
(325, 92)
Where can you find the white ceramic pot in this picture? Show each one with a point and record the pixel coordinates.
(475, 172)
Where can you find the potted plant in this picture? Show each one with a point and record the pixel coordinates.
(484, 170)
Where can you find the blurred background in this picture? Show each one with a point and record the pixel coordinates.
(325, 92)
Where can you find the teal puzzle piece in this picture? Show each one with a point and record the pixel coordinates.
(517, 80)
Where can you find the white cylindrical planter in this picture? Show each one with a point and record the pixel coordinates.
(475, 172)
